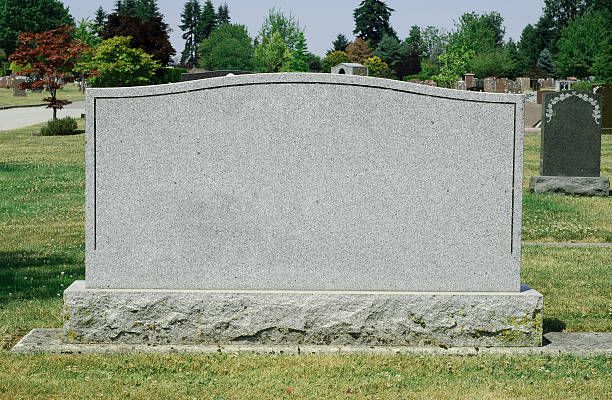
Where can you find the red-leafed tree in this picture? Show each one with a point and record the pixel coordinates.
(47, 59)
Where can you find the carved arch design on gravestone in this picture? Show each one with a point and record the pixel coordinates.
(341, 72)
(550, 112)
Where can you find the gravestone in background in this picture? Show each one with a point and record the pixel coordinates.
(525, 84)
(470, 81)
(489, 85)
(570, 155)
(303, 209)
(605, 91)
(17, 92)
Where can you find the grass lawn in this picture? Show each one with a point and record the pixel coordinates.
(42, 252)
(69, 92)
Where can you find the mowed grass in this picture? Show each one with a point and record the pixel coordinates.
(42, 252)
(69, 92)
(554, 218)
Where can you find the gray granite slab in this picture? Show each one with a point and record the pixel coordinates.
(303, 182)
(571, 136)
(572, 185)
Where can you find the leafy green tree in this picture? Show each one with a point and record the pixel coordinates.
(34, 16)
(434, 42)
(228, 47)
(190, 22)
(299, 59)
(410, 53)
(388, 50)
(359, 51)
(223, 16)
(340, 43)
(287, 26)
(208, 20)
(377, 67)
(529, 50)
(511, 51)
(86, 32)
(314, 62)
(272, 54)
(545, 63)
(334, 58)
(581, 42)
(602, 65)
(480, 33)
(372, 21)
(493, 63)
(116, 63)
(454, 64)
(100, 20)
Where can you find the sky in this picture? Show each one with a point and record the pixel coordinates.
(324, 19)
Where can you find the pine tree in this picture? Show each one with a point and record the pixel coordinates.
(372, 21)
(99, 20)
(190, 22)
(208, 21)
(340, 44)
(545, 63)
(223, 14)
(299, 57)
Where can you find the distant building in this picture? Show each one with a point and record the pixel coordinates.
(350, 69)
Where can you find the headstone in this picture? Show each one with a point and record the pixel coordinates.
(501, 85)
(350, 69)
(3, 83)
(549, 83)
(17, 92)
(563, 85)
(514, 87)
(541, 94)
(489, 85)
(605, 91)
(461, 85)
(470, 80)
(571, 145)
(286, 214)
(525, 84)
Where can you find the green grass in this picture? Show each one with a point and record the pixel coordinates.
(248, 376)
(42, 252)
(69, 92)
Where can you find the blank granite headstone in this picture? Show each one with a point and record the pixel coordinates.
(571, 145)
(303, 209)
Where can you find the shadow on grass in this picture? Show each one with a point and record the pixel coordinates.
(30, 275)
(553, 325)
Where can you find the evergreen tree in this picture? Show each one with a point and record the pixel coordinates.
(299, 57)
(190, 22)
(340, 44)
(228, 47)
(287, 26)
(372, 21)
(388, 50)
(545, 63)
(208, 20)
(410, 53)
(223, 16)
(100, 20)
(36, 16)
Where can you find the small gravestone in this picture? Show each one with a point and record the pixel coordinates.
(461, 85)
(17, 91)
(525, 84)
(470, 81)
(541, 93)
(605, 91)
(489, 85)
(514, 87)
(570, 154)
(501, 85)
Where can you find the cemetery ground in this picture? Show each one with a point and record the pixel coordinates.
(69, 92)
(42, 252)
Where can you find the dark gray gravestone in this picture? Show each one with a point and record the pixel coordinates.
(570, 155)
(571, 138)
(606, 104)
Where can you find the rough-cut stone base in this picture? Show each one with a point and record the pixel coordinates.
(576, 185)
(555, 343)
(308, 318)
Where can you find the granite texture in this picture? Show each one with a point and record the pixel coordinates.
(582, 344)
(303, 182)
(579, 186)
(571, 136)
(317, 318)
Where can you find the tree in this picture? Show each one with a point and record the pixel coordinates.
(377, 67)
(48, 59)
(190, 22)
(100, 20)
(299, 59)
(314, 62)
(228, 47)
(116, 63)
(272, 54)
(223, 16)
(35, 16)
(287, 26)
(434, 42)
(479, 32)
(359, 51)
(581, 42)
(454, 64)
(150, 36)
(388, 50)
(372, 21)
(511, 51)
(208, 20)
(529, 50)
(334, 58)
(545, 63)
(602, 65)
(86, 32)
(410, 53)
(340, 44)
(493, 63)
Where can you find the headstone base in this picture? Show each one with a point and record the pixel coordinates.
(207, 317)
(575, 185)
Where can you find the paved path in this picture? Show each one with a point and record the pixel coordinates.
(21, 117)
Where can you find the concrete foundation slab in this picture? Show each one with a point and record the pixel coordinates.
(575, 185)
(555, 343)
(208, 317)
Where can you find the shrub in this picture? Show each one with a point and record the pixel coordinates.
(63, 126)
